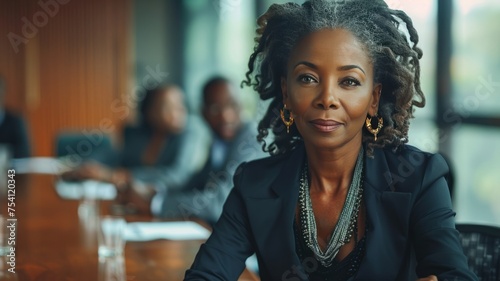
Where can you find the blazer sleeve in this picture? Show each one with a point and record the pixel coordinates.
(224, 254)
(436, 241)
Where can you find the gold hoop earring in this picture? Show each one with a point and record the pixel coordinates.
(288, 122)
(380, 124)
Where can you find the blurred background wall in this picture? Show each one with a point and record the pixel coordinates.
(82, 65)
(65, 64)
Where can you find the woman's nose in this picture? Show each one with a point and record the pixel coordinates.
(328, 96)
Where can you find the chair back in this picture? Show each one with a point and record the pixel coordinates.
(481, 244)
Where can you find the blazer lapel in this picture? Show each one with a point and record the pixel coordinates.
(388, 213)
(273, 224)
(272, 215)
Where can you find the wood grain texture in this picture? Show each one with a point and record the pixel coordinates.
(74, 71)
(55, 243)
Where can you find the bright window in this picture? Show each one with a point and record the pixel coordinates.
(476, 93)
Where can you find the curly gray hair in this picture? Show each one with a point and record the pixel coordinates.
(395, 60)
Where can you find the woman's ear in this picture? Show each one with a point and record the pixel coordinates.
(377, 92)
(284, 90)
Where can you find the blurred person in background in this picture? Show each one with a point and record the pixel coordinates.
(155, 156)
(13, 132)
(233, 141)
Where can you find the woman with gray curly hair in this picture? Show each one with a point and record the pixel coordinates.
(342, 197)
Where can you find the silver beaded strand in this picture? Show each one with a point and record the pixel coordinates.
(347, 221)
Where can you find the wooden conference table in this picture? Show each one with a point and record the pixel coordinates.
(52, 242)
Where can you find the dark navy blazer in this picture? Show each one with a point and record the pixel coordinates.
(410, 222)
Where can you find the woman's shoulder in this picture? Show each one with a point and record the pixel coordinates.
(409, 164)
(404, 151)
(262, 167)
(260, 173)
(408, 155)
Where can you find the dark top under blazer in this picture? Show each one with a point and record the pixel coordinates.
(173, 166)
(411, 228)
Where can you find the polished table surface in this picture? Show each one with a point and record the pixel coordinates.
(54, 243)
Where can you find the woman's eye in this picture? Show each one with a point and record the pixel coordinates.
(351, 82)
(307, 79)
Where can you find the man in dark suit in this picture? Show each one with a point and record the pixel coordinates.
(13, 131)
(233, 142)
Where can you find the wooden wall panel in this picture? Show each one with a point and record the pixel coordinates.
(71, 74)
(11, 62)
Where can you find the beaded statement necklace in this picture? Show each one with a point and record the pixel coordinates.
(347, 221)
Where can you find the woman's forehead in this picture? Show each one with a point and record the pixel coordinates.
(327, 45)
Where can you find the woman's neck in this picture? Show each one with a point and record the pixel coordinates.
(331, 170)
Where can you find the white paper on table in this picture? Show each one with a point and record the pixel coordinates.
(88, 189)
(181, 230)
(39, 165)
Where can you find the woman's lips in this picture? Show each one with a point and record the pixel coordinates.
(325, 125)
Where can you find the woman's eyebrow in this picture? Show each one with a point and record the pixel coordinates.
(349, 67)
(342, 68)
(306, 63)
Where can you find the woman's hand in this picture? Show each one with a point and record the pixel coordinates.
(138, 196)
(90, 170)
(95, 171)
(429, 278)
